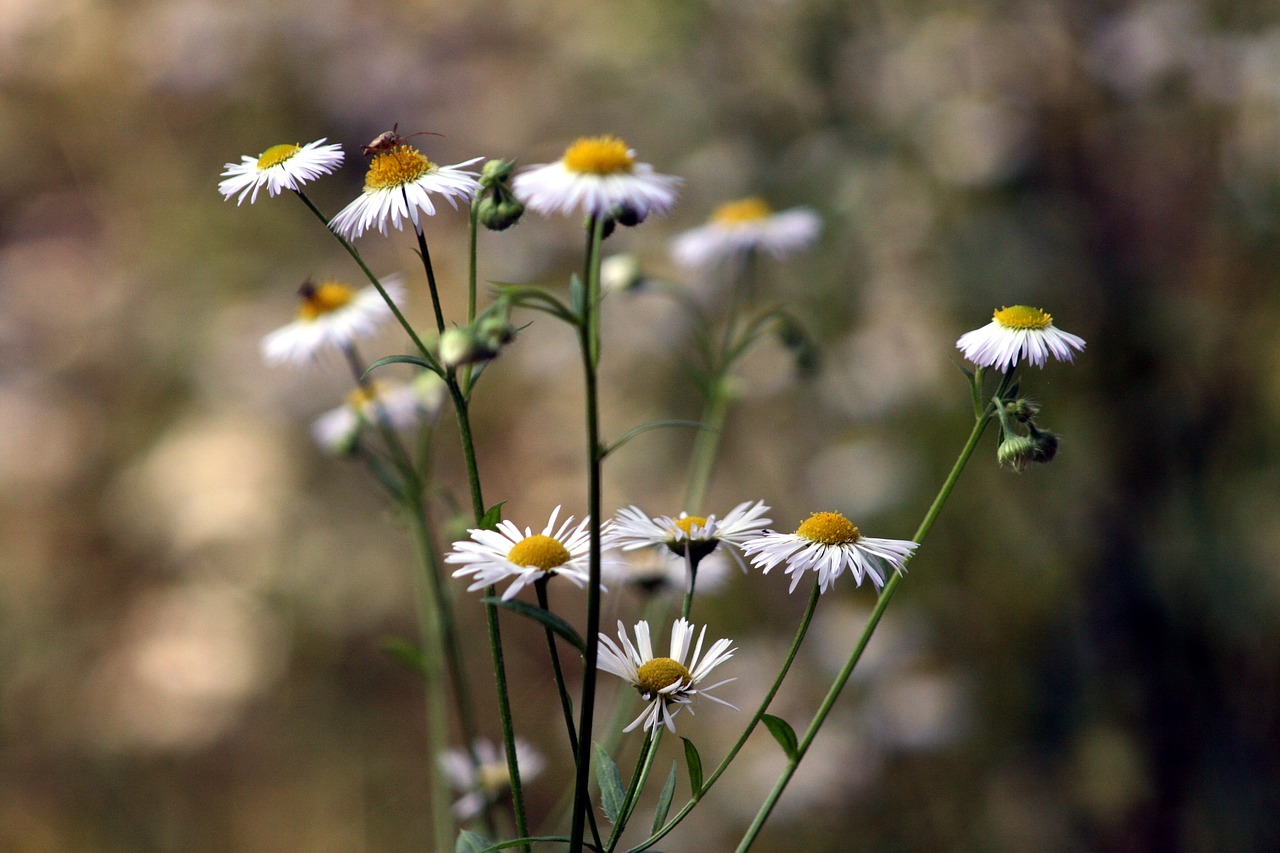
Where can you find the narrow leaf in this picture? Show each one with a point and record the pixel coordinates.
(664, 800)
(612, 795)
(546, 617)
(577, 296)
(491, 518)
(643, 428)
(402, 359)
(405, 652)
(695, 767)
(782, 733)
(470, 842)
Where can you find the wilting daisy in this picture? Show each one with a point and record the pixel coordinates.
(331, 316)
(495, 555)
(279, 168)
(667, 684)
(745, 226)
(597, 176)
(829, 544)
(656, 570)
(1015, 333)
(401, 405)
(633, 528)
(484, 785)
(398, 185)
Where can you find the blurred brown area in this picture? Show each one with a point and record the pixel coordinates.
(193, 598)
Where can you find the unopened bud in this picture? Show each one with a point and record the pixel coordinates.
(495, 332)
(1045, 444)
(628, 216)
(1016, 453)
(620, 273)
(495, 172)
(499, 211)
(1022, 409)
(459, 346)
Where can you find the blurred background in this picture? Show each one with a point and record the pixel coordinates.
(194, 598)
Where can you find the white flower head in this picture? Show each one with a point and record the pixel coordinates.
(491, 556)
(486, 783)
(399, 405)
(1016, 333)
(656, 570)
(744, 226)
(829, 544)
(279, 168)
(399, 185)
(331, 316)
(597, 176)
(695, 534)
(668, 684)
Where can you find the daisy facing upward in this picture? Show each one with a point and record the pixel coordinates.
(829, 544)
(399, 185)
(331, 317)
(597, 176)
(691, 536)
(279, 168)
(1018, 333)
(744, 226)
(491, 556)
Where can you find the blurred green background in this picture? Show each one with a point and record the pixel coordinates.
(193, 599)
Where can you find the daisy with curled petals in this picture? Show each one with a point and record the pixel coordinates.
(668, 684)
(744, 226)
(694, 536)
(331, 316)
(495, 555)
(399, 184)
(829, 544)
(597, 176)
(485, 784)
(279, 168)
(1018, 333)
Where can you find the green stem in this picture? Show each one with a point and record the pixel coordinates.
(706, 444)
(644, 763)
(431, 277)
(566, 703)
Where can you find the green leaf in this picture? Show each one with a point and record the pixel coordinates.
(664, 800)
(612, 795)
(695, 767)
(491, 518)
(546, 617)
(403, 359)
(470, 842)
(782, 733)
(406, 652)
(577, 296)
(643, 428)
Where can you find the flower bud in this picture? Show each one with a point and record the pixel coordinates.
(495, 172)
(1022, 409)
(1016, 453)
(1045, 444)
(459, 346)
(628, 216)
(499, 211)
(619, 273)
(495, 332)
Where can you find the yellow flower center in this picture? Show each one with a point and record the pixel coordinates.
(275, 155)
(689, 522)
(829, 528)
(1022, 317)
(402, 165)
(494, 778)
(598, 155)
(544, 552)
(321, 299)
(658, 673)
(743, 210)
(363, 395)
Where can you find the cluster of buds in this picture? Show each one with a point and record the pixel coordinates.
(498, 208)
(1018, 452)
(481, 341)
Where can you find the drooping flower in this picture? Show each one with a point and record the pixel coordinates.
(667, 684)
(279, 168)
(656, 570)
(483, 785)
(400, 405)
(331, 316)
(696, 534)
(829, 544)
(399, 185)
(1017, 333)
(743, 226)
(597, 176)
(490, 556)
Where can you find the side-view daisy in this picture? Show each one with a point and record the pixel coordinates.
(1015, 333)
(655, 571)
(668, 684)
(695, 535)
(743, 226)
(398, 185)
(331, 316)
(401, 405)
(485, 784)
(491, 556)
(279, 168)
(597, 176)
(829, 543)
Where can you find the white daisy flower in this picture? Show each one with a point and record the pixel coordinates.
(632, 528)
(667, 684)
(656, 570)
(1015, 333)
(495, 555)
(279, 168)
(829, 543)
(745, 226)
(402, 405)
(331, 316)
(398, 185)
(597, 176)
(484, 785)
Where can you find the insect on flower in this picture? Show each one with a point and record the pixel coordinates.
(389, 139)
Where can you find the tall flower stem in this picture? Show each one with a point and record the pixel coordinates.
(886, 596)
(566, 703)
(431, 277)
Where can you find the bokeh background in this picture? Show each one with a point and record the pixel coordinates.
(194, 599)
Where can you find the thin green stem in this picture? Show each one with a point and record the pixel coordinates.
(431, 277)
(706, 444)
(644, 764)
(566, 703)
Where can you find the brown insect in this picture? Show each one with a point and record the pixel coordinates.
(389, 139)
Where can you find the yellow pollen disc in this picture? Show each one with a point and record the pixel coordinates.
(829, 528)
(598, 155)
(658, 673)
(494, 778)
(1022, 317)
(321, 299)
(541, 551)
(689, 522)
(402, 165)
(275, 155)
(362, 396)
(743, 210)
